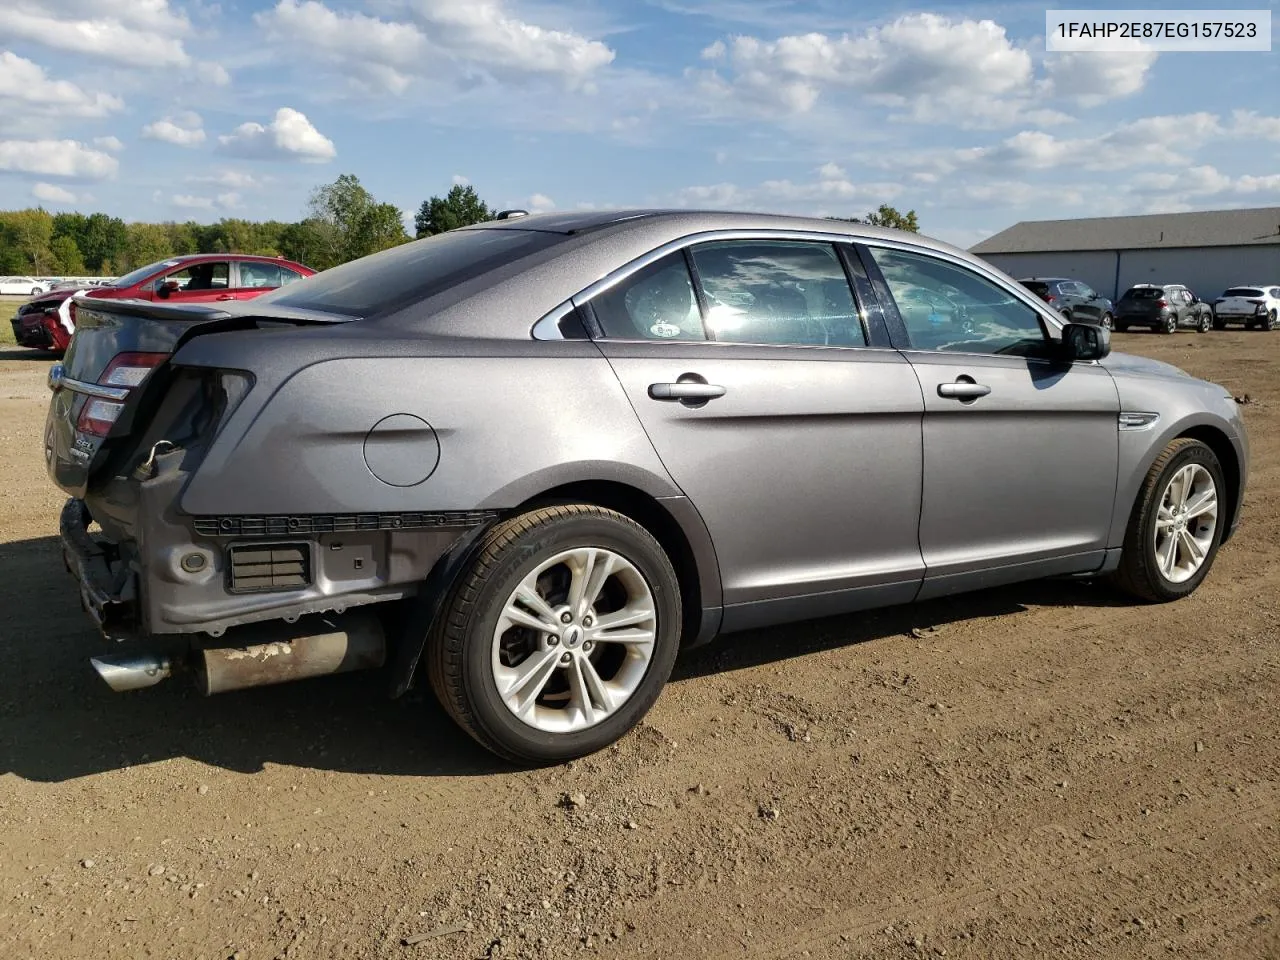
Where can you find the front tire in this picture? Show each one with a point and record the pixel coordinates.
(1176, 525)
(1107, 321)
(1269, 324)
(561, 635)
(1205, 323)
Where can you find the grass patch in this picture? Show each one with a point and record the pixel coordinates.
(7, 309)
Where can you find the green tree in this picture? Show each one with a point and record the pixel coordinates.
(461, 207)
(104, 243)
(27, 235)
(354, 223)
(887, 216)
(311, 242)
(145, 243)
(67, 255)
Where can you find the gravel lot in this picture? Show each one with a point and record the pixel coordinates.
(1033, 771)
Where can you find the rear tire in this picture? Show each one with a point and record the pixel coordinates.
(477, 646)
(1170, 325)
(35, 291)
(1145, 568)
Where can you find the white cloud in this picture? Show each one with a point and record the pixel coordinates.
(229, 200)
(190, 202)
(460, 181)
(214, 73)
(1251, 124)
(1203, 182)
(183, 129)
(449, 38)
(232, 179)
(831, 193)
(56, 158)
(1094, 78)
(540, 203)
(290, 136)
(26, 90)
(109, 143)
(130, 32)
(49, 193)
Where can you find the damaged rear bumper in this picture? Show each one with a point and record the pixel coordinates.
(108, 594)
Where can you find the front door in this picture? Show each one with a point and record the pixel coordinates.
(795, 438)
(197, 283)
(1020, 450)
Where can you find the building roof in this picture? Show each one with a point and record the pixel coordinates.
(1206, 228)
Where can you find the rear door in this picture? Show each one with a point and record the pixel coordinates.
(782, 413)
(1020, 451)
(1090, 306)
(253, 278)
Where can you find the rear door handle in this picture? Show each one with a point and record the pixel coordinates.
(686, 391)
(961, 390)
(227, 296)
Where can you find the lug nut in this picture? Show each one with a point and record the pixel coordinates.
(586, 646)
(587, 620)
(552, 640)
(566, 617)
(566, 658)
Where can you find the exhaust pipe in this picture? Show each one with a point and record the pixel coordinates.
(356, 642)
(132, 673)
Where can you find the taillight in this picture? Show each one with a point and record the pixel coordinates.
(1162, 303)
(1050, 298)
(125, 372)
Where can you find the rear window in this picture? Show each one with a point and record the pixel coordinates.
(1143, 293)
(1038, 287)
(1243, 292)
(411, 272)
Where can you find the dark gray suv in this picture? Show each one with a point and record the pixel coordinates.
(1164, 308)
(1075, 300)
(533, 459)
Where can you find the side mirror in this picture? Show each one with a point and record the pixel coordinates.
(1085, 341)
(167, 287)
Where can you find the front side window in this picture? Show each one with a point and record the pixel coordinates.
(777, 292)
(201, 276)
(950, 308)
(655, 303)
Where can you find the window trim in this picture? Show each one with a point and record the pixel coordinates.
(842, 245)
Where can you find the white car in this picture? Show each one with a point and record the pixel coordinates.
(1254, 306)
(22, 286)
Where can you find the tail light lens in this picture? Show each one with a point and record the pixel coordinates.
(126, 371)
(1050, 298)
(1162, 303)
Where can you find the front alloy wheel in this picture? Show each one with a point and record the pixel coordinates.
(1107, 321)
(1206, 322)
(560, 636)
(1176, 525)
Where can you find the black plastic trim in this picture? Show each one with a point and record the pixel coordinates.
(290, 526)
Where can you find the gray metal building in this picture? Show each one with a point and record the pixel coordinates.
(1208, 251)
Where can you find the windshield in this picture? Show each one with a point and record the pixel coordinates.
(409, 273)
(137, 276)
(1243, 292)
(1143, 293)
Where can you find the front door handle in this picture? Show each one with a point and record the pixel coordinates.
(962, 390)
(686, 390)
(227, 296)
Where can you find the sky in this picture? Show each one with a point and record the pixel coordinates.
(169, 110)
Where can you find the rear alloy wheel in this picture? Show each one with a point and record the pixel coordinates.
(1170, 324)
(1107, 321)
(35, 291)
(1205, 323)
(560, 637)
(1176, 526)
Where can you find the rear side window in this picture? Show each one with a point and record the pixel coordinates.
(411, 272)
(777, 292)
(258, 275)
(1143, 293)
(1243, 292)
(655, 303)
(1038, 287)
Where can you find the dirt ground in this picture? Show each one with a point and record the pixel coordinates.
(1043, 770)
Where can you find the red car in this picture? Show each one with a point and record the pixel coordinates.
(47, 321)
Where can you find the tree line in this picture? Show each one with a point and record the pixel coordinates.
(343, 221)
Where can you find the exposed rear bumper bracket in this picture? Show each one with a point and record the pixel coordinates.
(105, 596)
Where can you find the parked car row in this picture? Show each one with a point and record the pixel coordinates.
(1161, 307)
(47, 320)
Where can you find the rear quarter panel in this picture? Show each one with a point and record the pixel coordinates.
(511, 420)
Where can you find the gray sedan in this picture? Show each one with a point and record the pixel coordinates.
(533, 459)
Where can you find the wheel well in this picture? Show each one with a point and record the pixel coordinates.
(650, 514)
(1218, 442)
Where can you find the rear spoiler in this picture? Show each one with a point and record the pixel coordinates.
(205, 312)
